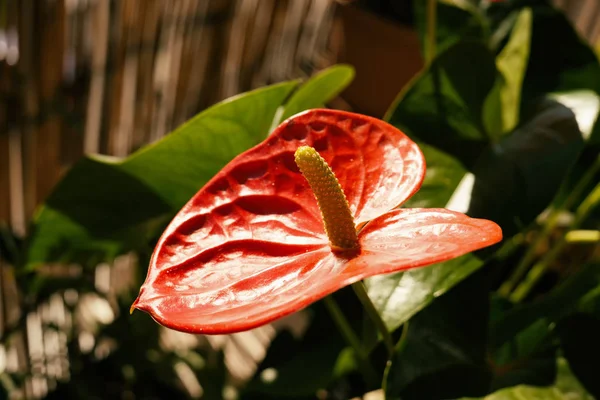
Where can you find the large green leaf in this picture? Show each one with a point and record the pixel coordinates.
(443, 106)
(399, 296)
(517, 178)
(443, 355)
(177, 166)
(565, 387)
(318, 90)
(105, 206)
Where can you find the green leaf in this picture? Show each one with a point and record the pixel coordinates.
(104, 206)
(512, 64)
(579, 335)
(443, 106)
(444, 352)
(318, 90)
(399, 296)
(179, 165)
(566, 386)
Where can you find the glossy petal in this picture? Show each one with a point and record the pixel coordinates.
(276, 280)
(409, 238)
(250, 247)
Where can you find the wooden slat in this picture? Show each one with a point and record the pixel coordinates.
(99, 28)
(4, 180)
(50, 73)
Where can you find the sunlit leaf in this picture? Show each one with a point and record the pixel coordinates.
(512, 64)
(318, 90)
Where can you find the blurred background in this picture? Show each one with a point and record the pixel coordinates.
(108, 77)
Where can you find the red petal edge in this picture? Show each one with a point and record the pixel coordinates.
(249, 247)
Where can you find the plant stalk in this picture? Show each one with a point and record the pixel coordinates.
(537, 271)
(548, 227)
(431, 39)
(369, 307)
(348, 333)
(583, 236)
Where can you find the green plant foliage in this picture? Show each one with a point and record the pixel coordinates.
(512, 64)
(456, 21)
(563, 300)
(317, 91)
(528, 358)
(577, 66)
(445, 342)
(566, 386)
(443, 175)
(518, 177)
(585, 104)
(443, 106)
(400, 296)
(510, 186)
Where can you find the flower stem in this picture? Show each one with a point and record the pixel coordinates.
(431, 39)
(549, 225)
(583, 236)
(403, 338)
(537, 271)
(369, 307)
(348, 333)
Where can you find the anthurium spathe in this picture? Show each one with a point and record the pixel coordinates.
(251, 246)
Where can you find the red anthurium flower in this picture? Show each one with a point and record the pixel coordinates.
(253, 244)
